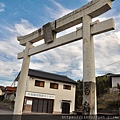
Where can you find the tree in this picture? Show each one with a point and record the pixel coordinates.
(103, 84)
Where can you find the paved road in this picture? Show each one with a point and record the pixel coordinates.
(5, 111)
(6, 114)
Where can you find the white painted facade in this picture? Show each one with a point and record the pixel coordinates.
(115, 81)
(58, 95)
(10, 97)
(1, 92)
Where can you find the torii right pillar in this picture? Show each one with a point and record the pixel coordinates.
(89, 82)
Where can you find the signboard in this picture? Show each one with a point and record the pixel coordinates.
(39, 95)
(29, 102)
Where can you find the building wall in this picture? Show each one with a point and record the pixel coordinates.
(60, 93)
(10, 97)
(115, 80)
(1, 92)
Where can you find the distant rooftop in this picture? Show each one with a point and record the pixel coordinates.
(114, 75)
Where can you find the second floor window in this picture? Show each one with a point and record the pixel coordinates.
(54, 85)
(67, 87)
(39, 83)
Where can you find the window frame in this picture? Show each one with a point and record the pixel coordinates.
(53, 85)
(67, 87)
(39, 83)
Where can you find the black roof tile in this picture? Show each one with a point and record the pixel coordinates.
(115, 75)
(50, 76)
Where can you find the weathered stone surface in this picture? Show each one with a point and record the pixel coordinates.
(48, 33)
(96, 28)
(89, 92)
(22, 81)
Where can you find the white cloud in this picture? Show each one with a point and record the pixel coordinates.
(59, 12)
(9, 48)
(2, 6)
(6, 83)
(24, 27)
(107, 53)
(66, 59)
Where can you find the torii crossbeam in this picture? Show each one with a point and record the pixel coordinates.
(48, 33)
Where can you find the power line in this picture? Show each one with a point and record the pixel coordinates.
(109, 64)
(114, 62)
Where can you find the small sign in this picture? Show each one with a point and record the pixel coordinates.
(29, 102)
(39, 95)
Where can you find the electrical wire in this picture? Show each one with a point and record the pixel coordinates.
(109, 65)
(113, 62)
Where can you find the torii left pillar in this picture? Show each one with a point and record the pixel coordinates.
(22, 81)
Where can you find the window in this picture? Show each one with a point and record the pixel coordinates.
(68, 87)
(39, 83)
(54, 85)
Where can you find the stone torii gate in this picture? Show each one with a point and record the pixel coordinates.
(48, 32)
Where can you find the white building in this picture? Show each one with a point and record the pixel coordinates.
(1, 92)
(49, 93)
(115, 78)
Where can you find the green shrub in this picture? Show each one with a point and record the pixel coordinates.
(113, 105)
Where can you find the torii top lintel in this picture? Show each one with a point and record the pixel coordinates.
(93, 9)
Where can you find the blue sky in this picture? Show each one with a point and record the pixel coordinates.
(20, 17)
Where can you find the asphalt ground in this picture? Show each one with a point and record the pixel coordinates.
(5, 111)
(6, 114)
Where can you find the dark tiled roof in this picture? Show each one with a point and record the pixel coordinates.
(9, 88)
(50, 76)
(115, 75)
